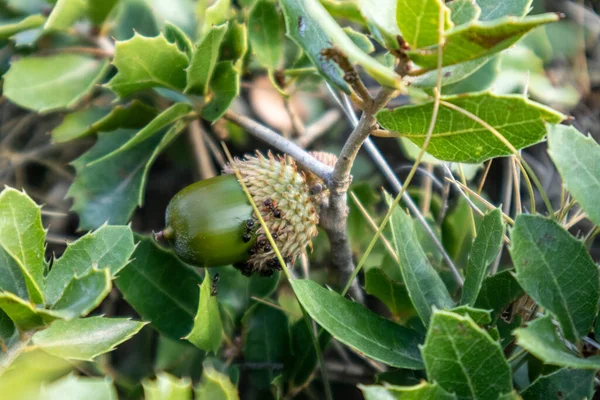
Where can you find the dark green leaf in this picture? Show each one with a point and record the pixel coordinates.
(175, 35)
(423, 283)
(77, 124)
(207, 332)
(576, 158)
(491, 9)
(85, 338)
(498, 291)
(11, 27)
(458, 236)
(566, 384)
(451, 74)
(22, 239)
(393, 294)
(418, 21)
(225, 85)
(358, 327)
(99, 10)
(422, 391)
(55, 82)
(486, 246)
(235, 44)
(11, 277)
(464, 359)
(481, 79)
(169, 304)
(303, 361)
(147, 62)
(541, 339)
(479, 316)
(464, 11)
(108, 247)
(266, 32)
(84, 293)
(204, 60)
(556, 270)
(458, 138)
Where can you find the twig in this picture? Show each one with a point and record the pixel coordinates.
(203, 162)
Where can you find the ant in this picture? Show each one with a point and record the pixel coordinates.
(249, 225)
(272, 206)
(213, 285)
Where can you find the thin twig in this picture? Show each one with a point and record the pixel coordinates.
(206, 169)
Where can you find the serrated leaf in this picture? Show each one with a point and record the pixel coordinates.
(111, 190)
(85, 338)
(576, 158)
(423, 283)
(491, 9)
(168, 304)
(207, 332)
(541, 339)
(25, 315)
(22, 238)
(175, 35)
(84, 293)
(354, 325)
(479, 316)
(497, 292)
(266, 32)
(225, 86)
(167, 387)
(458, 138)
(79, 388)
(556, 270)
(463, 359)
(486, 246)
(216, 14)
(162, 120)
(566, 384)
(65, 13)
(55, 82)
(109, 247)
(393, 294)
(215, 386)
(147, 62)
(464, 11)
(11, 277)
(266, 341)
(422, 391)
(76, 124)
(479, 39)
(418, 21)
(235, 44)
(204, 60)
(14, 26)
(381, 19)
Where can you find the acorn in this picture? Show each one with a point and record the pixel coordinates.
(211, 223)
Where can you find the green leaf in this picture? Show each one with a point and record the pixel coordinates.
(556, 270)
(167, 387)
(225, 85)
(100, 10)
(486, 246)
(463, 359)
(65, 13)
(203, 61)
(22, 238)
(423, 283)
(479, 39)
(393, 294)
(79, 388)
(345, 10)
(498, 292)
(162, 120)
(458, 138)
(86, 122)
(109, 247)
(541, 339)
(55, 82)
(24, 314)
(215, 386)
(451, 74)
(480, 80)
(360, 39)
(175, 35)
(576, 158)
(235, 44)
(147, 62)
(85, 338)
(266, 341)
(491, 9)
(110, 190)
(207, 332)
(216, 14)
(14, 26)
(266, 31)
(479, 316)
(84, 293)
(567, 384)
(354, 325)
(11, 277)
(303, 354)
(422, 391)
(169, 304)
(464, 11)
(418, 21)
(381, 19)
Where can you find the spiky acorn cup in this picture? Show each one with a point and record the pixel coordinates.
(210, 224)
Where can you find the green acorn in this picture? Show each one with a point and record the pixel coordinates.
(211, 223)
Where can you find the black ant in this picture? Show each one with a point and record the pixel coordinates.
(213, 285)
(272, 206)
(249, 225)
